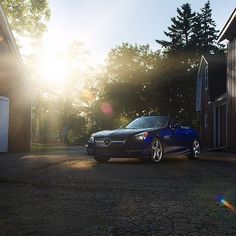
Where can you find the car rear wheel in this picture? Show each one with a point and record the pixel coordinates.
(101, 159)
(157, 151)
(195, 150)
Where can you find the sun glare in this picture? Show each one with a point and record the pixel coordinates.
(54, 70)
(56, 64)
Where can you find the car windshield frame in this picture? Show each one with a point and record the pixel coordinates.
(139, 122)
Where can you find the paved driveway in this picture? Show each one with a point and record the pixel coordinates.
(70, 194)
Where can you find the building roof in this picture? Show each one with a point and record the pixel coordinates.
(214, 58)
(229, 30)
(15, 51)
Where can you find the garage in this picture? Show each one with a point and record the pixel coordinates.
(4, 121)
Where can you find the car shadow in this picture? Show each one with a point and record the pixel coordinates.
(140, 161)
(169, 160)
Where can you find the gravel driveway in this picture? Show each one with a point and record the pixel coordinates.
(70, 194)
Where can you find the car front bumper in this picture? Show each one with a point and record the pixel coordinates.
(132, 149)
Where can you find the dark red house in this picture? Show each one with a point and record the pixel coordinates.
(216, 93)
(15, 98)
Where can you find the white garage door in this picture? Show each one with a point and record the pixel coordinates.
(4, 118)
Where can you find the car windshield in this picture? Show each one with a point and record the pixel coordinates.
(149, 122)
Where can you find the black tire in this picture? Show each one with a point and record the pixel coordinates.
(195, 150)
(156, 151)
(101, 159)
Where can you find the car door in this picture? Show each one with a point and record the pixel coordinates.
(181, 138)
(178, 138)
(169, 138)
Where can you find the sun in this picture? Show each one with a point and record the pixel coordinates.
(59, 64)
(54, 70)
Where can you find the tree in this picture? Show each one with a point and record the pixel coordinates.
(129, 62)
(191, 34)
(205, 35)
(59, 109)
(180, 30)
(78, 73)
(27, 17)
(126, 78)
(172, 90)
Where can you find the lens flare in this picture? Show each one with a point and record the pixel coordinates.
(221, 200)
(106, 109)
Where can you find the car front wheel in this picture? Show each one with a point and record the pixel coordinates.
(101, 159)
(195, 150)
(157, 151)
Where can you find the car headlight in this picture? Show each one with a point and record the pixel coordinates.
(141, 137)
(92, 139)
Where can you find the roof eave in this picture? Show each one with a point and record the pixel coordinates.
(223, 34)
(14, 48)
(200, 64)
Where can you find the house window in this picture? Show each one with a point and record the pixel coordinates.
(206, 78)
(206, 121)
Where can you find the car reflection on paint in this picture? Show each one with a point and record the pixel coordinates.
(151, 137)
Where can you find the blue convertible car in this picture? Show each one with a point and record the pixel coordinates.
(147, 137)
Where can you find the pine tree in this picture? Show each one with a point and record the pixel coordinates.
(180, 30)
(196, 37)
(204, 31)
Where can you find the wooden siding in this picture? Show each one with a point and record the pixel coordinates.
(4, 53)
(12, 86)
(19, 117)
(3, 44)
(206, 131)
(217, 80)
(231, 86)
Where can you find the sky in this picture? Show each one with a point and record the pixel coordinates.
(104, 24)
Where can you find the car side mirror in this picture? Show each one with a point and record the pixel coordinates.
(174, 126)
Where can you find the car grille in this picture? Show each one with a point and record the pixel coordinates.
(106, 141)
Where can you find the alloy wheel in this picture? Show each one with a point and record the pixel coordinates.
(196, 149)
(156, 151)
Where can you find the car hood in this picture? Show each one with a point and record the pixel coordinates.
(120, 133)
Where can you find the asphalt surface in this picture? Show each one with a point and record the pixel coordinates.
(70, 194)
